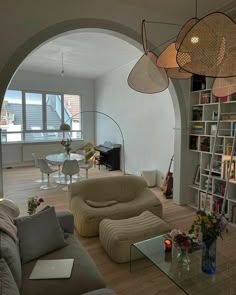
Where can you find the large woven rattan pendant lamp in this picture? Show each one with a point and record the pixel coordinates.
(146, 76)
(167, 58)
(224, 86)
(177, 73)
(209, 48)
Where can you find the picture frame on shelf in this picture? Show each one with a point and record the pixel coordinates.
(196, 179)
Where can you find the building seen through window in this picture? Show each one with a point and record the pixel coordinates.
(37, 116)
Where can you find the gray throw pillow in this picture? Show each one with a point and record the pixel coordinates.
(7, 282)
(39, 234)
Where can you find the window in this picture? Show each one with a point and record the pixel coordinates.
(37, 116)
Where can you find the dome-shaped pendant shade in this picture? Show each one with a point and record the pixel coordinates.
(147, 77)
(177, 73)
(224, 86)
(144, 36)
(167, 58)
(209, 48)
(185, 29)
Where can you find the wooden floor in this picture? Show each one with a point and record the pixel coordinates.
(19, 185)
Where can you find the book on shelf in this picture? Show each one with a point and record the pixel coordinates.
(222, 98)
(197, 113)
(205, 144)
(206, 203)
(219, 188)
(217, 205)
(205, 97)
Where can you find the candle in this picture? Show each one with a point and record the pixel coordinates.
(168, 245)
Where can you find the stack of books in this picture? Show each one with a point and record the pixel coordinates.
(197, 129)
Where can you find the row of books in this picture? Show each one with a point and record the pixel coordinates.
(227, 170)
(211, 203)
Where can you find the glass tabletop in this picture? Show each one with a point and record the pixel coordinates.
(188, 277)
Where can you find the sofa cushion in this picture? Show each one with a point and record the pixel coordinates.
(10, 252)
(7, 282)
(101, 204)
(85, 276)
(39, 234)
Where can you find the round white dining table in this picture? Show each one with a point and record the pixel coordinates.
(59, 159)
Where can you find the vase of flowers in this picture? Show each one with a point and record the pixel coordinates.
(33, 203)
(183, 242)
(210, 226)
(66, 144)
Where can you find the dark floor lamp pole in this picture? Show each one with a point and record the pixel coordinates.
(98, 112)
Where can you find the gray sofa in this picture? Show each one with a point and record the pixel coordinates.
(85, 277)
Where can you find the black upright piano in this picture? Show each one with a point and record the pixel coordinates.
(110, 154)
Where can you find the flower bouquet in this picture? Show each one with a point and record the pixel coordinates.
(33, 203)
(183, 242)
(66, 143)
(210, 226)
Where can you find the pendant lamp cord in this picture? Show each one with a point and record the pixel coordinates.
(196, 8)
(62, 65)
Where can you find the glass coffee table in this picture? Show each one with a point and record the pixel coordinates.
(188, 277)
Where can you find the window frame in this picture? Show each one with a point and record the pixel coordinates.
(44, 129)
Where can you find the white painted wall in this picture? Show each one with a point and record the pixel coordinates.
(147, 122)
(12, 153)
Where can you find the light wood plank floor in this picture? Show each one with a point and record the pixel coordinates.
(19, 185)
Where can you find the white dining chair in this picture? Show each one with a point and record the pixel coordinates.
(46, 169)
(70, 168)
(36, 164)
(87, 165)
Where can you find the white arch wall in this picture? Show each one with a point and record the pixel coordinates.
(147, 122)
(25, 30)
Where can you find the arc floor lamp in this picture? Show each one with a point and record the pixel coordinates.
(67, 128)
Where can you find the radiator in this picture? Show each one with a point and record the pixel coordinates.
(40, 149)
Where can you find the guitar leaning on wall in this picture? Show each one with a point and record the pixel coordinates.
(167, 186)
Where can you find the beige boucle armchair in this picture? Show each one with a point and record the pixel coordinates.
(117, 197)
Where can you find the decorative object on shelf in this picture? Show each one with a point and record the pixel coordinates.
(66, 143)
(33, 203)
(197, 176)
(211, 226)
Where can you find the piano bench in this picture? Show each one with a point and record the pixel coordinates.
(99, 160)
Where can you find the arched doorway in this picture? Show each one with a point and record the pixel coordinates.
(175, 90)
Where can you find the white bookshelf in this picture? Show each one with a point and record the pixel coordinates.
(202, 125)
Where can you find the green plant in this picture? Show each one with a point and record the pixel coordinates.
(210, 225)
(33, 203)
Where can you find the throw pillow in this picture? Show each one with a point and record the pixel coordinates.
(7, 282)
(101, 204)
(39, 234)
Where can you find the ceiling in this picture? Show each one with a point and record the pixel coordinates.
(90, 54)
